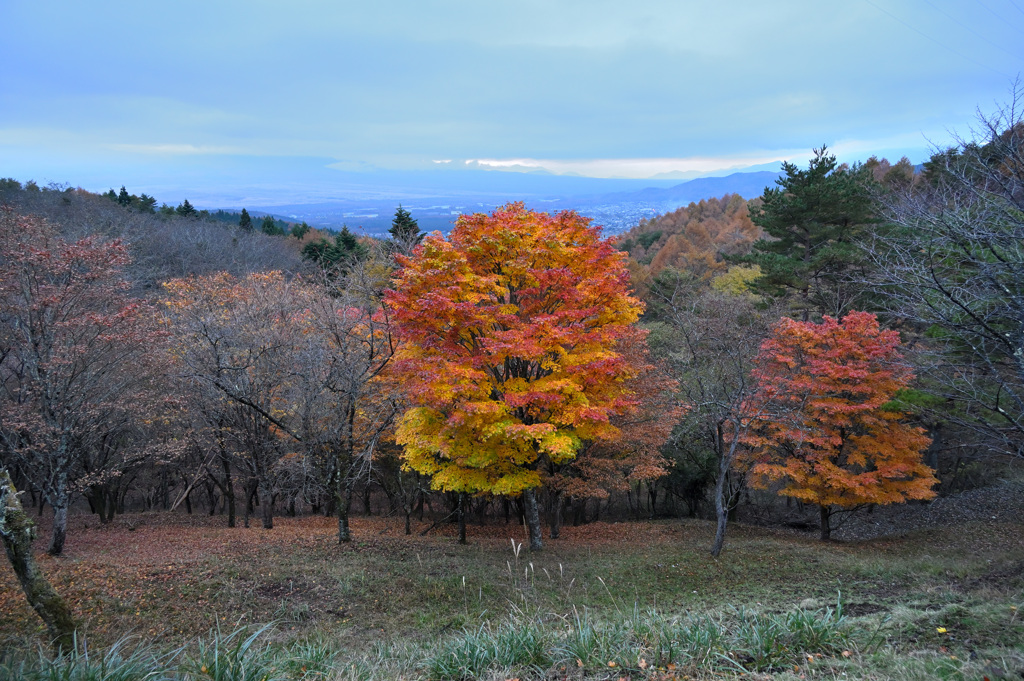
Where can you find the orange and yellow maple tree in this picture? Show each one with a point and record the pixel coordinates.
(827, 432)
(511, 356)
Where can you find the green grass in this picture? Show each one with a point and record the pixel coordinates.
(612, 601)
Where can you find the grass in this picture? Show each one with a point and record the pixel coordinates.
(176, 595)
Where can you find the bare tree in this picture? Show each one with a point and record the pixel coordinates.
(714, 338)
(952, 263)
(349, 404)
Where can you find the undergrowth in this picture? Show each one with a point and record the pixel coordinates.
(734, 643)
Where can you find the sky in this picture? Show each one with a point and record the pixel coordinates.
(218, 93)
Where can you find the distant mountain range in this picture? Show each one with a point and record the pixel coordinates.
(436, 208)
(747, 185)
(327, 193)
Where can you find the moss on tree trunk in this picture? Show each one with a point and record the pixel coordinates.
(17, 531)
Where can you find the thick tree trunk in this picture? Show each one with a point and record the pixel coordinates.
(826, 524)
(533, 520)
(17, 532)
(556, 514)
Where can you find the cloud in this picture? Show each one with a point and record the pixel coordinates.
(640, 168)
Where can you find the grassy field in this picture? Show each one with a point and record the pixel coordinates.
(608, 601)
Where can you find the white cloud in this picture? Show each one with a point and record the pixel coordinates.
(641, 168)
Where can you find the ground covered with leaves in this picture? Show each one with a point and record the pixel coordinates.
(637, 600)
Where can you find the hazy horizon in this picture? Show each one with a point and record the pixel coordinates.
(259, 100)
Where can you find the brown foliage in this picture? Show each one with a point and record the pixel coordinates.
(693, 238)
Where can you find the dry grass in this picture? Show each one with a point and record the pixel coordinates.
(169, 578)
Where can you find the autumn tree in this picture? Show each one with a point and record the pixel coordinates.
(695, 238)
(841, 443)
(74, 358)
(632, 460)
(511, 357)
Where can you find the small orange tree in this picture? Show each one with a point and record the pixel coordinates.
(835, 441)
(511, 356)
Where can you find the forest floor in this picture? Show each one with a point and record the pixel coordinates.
(943, 596)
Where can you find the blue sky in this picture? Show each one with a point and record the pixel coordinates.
(178, 93)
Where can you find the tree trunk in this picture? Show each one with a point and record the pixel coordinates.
(556, 514)
(344, 500)
(17, 532)
(721, 514)
(229, 490)
(721, 508)
(462, 517)
(60, 527)
(266, 507)
(826, 525)
(533, 520)
(248, 504)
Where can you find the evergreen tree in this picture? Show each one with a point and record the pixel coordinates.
(185, 209)
(146, 203)
(813, 220)
(345, 250)
(301, 230)
(270, 227)
(245, 222)
(405, 231)
(124, 198)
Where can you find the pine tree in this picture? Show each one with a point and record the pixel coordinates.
(405, 231)
(339, 255)
(147, 204)
(124, 198)
(185, 209)
(245, 221)
(269, 226)
(812, 219)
